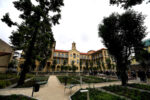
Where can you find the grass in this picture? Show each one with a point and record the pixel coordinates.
(15, 97)
(140, 86)
(95, 95)
(129, 93)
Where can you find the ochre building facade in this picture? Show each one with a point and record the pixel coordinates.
(76, 57)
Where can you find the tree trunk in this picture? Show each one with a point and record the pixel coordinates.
(28, 59)
(124, 78)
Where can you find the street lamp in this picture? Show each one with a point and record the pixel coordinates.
(88, 98)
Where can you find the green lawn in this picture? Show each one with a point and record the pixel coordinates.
(95, 95)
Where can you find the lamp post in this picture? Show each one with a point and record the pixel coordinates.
(88, 97)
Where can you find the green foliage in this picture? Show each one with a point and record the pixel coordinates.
(127, 3)
(140, 86)
(70, 79)
(123, 34)
(130, 93)
(143, 57)
(4, 83)
(95, 94)
(108, 61)
(15, 97)
(34, 35)
(31, 82)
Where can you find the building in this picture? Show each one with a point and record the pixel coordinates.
(136, 65)
(76, 58)
(147, 45)
(6, 53)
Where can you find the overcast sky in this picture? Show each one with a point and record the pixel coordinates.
(79, 22)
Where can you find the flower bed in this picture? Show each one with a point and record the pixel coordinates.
(129, 93)
(95, 94)
(140, 86)
(15, 97)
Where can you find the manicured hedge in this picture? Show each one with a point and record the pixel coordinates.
(129, 93)
(70, 80)
(31, 82)
(95, 95)
(140, 86)
(15, 97)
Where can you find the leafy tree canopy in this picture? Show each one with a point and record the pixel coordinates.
(127, 3)
(123, 34)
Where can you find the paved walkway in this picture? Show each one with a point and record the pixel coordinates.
(53, 90)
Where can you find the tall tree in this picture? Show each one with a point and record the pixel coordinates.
(86, 65)
(36, 21)
(108, 61)
(80, 65)
(54, 65)
(143, 57)
(98, 64)
(128, 3)
(123, 34)
(91, 65)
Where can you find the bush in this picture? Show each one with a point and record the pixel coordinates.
(4, 83)
(130, 93)
(95, 95)
(15, 97)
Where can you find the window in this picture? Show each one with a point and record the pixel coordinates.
(66, 55)
(61, 61)
(58, 54)
(62, 55)
(77, 61)
(74, 55)
(55, 54)
(57, 61)
(70, 55)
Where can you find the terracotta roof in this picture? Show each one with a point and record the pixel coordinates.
(60, 51)
(4, 53)
(84, 53)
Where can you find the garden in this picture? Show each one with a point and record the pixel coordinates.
(41, 80)
(133, 94)
(85, 79)
(95, 94)
(15, 97)
(7, 79)
(116, 92)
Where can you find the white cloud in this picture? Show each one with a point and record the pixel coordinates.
(79, 22)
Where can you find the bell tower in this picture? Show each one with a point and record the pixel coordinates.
(73, 46)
